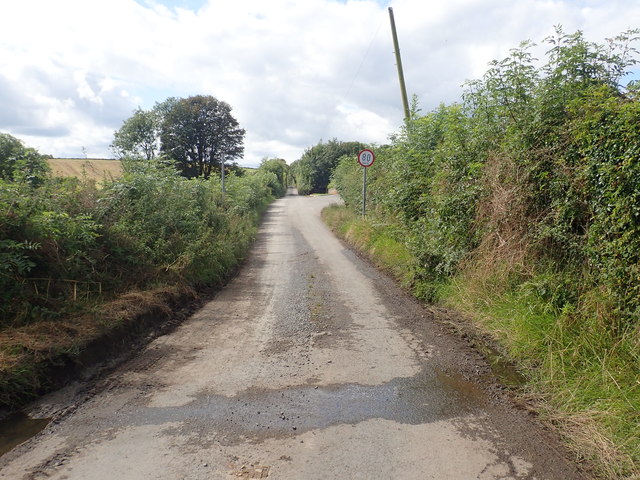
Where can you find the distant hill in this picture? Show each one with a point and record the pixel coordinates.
(93, 168)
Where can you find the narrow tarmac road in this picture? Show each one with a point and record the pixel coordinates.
(308, 365)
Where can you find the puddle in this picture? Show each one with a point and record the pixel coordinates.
(17, 428)
(466, 391)
(501, 368)
(259, 414)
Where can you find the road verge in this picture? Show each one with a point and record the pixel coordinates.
(589, 433)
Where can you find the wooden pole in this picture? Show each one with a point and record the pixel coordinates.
(403, 88)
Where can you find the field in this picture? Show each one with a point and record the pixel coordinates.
(92, 168)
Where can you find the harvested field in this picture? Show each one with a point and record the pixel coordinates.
(92, 168)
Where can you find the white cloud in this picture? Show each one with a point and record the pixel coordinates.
(294, 72)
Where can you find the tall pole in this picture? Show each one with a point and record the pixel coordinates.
(396, 46)
(222, 176)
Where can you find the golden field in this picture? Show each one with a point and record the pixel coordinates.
(93, 168)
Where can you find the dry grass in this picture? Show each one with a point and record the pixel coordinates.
(93, 169)
(583, 434)
(26, 351)
(505, 250)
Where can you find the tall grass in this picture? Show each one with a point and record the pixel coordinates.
(582, 381)
(582, 378)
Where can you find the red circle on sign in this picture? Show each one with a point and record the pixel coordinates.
(366, 157)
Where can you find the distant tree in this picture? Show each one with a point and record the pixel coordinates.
(280, 171)
(200, 134)
(197, 133)
(313, 171)
(20, 163)
(139, 135)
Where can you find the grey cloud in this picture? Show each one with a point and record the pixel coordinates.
(38, 131)
(16, 107)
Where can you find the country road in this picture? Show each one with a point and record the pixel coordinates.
(309, 365)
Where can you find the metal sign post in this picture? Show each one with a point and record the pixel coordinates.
(366, 158)
(364, 192)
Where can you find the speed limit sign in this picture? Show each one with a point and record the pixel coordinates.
(366, 157)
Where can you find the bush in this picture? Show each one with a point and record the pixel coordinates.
(65, 239)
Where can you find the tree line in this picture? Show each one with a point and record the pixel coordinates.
(312, 172)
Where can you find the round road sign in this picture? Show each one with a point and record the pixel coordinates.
(366, 157)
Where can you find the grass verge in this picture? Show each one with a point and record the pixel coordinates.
(378, 240)
(580, 379)
(582, 382)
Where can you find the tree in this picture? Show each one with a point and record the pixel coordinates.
(10, 147)
(200, 133)
(197, 133)
(20, 163)
(313, 171)
(139, 135)
(280, 170)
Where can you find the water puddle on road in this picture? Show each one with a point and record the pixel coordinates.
(17, 428)
(256, 413)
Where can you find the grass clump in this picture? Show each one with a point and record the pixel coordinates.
(379, 241)
(580, 378)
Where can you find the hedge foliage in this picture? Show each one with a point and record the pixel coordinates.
(521, 206)
(66, 239)
(537, 167)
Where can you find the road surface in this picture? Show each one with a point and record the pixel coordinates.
(308, 365)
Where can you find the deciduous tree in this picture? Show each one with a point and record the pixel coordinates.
(197, 133)
(200, 134)
(20, 163)
(139, 135)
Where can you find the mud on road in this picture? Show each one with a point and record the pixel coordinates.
(310, 364)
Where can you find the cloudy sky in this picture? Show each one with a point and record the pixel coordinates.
(294, 71)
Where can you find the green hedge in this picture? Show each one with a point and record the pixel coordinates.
(521, 205)
(66, 239)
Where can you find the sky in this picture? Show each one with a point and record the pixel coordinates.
(295, 72)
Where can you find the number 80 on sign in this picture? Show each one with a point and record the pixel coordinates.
(366, 157)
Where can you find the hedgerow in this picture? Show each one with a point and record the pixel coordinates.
(64, 240)
(521, 204)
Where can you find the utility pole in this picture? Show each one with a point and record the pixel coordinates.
(396, 46)
(222, 176)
